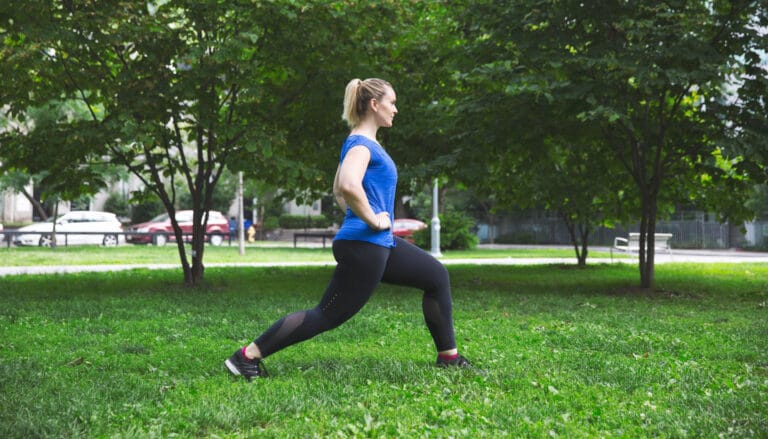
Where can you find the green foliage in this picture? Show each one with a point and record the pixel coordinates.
(146, 210)
(271, 223)
(758, 201)
(608, 114)
(287, 221)
(570, 106)
(569, 353)
(223, 196)
(456, 233)
(177, 91)
(117, 204)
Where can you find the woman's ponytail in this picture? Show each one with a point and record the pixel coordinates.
(350, 102)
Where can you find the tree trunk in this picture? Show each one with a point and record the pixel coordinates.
(181, 247)
(579, 234)
(647, 240)
(491, 228)
(198, 248)
(53, 226)
(35, 204)
(585, 230)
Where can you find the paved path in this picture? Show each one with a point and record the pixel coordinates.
(678, 256)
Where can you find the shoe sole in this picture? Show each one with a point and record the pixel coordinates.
(232, 368)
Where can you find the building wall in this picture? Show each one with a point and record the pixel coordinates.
(15, 208)
(121, 188)
(756, 233)
(304, 209)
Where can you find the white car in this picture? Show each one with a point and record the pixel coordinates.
(101, 228)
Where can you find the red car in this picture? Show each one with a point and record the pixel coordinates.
(404, 227)
(158, 230)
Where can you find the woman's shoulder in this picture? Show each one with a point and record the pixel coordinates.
(354, 140)
(359, 139)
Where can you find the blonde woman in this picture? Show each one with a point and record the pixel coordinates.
(365, 249)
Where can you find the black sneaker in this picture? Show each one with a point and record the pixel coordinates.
(458, 362)
(237, 364)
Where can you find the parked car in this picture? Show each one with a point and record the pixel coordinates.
(158, 230)
(100, 228)
(404, 227)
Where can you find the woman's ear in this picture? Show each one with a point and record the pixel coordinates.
(374, 105)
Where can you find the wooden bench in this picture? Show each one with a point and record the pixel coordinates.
(330, 234)
(631, 244)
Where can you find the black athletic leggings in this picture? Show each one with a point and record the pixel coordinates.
(361, 266)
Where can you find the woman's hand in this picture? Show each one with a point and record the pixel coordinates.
(383, 221)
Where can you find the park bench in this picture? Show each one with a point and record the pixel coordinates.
(631, 244)
(325, 234)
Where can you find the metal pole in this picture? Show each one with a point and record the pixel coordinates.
(240, 231)
(435, 235)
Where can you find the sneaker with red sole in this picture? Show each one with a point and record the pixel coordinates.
(238, 364)
(459, 362)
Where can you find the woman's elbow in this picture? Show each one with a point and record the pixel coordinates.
(348, 188)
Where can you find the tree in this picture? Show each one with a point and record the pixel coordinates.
(646, 79)
(26, 152)
(159, 83)
(178, 90)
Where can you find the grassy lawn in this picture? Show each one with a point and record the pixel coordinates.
(566, 353)
(169, 254)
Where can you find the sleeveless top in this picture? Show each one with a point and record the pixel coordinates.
(379, 183)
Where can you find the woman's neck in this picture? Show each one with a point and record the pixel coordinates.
(366, 128)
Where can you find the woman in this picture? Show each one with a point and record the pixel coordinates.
(365, 249)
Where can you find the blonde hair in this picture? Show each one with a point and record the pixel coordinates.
(357, 96)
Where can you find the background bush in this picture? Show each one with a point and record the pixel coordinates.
(455, 233)
(287, 221)
(118, 205)
(271, 223)
(146, 210)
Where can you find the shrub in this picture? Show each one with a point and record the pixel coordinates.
(271, 223)
(146, 210)
(455, 233)
(287, 221)
(118, 205)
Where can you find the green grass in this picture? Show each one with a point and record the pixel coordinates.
(567, 353)
(169, 254)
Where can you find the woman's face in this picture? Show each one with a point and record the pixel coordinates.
(384, 109)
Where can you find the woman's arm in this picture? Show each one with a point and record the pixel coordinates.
(337, 191)
(348, 186)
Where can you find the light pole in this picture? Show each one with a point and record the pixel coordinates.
(435, 235)
(240, 231)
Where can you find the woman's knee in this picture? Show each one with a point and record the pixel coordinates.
(331, 318)
(439, 279)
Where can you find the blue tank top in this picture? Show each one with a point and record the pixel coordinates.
(379, 183)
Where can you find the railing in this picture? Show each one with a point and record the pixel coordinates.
(9, 235)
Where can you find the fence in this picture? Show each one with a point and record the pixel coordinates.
(697, 232)
(8, 237)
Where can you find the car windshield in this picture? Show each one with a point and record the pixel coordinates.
(58, 218)
(159, 218)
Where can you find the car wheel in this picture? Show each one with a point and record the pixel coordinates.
(217, 239)
(45, 240)
(109, 241)
(160, 240)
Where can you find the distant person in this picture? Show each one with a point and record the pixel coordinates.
(232, 226)
(365, 249)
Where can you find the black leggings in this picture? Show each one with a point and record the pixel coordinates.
(361, 266)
